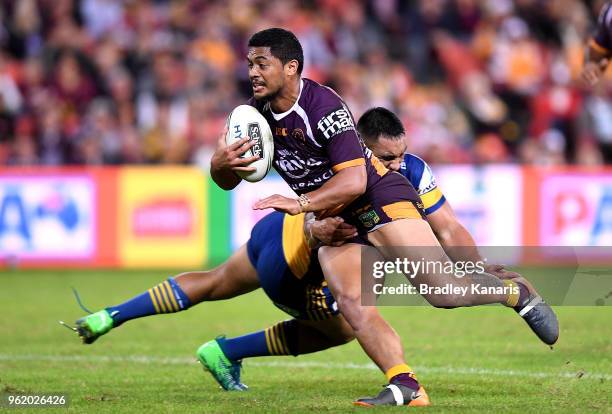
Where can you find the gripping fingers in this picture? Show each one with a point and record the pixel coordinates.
(243, 162)
(245, 147)
(245, 169)
(235, 145)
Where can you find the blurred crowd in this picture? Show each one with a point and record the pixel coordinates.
(151, 81)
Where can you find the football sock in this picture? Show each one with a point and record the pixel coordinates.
(403, 375)
(167, 297)
(275, 340)
(520, 293)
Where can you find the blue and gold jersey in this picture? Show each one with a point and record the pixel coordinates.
(422, 179)
(288, 271)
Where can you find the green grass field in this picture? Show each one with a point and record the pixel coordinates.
(469, 360)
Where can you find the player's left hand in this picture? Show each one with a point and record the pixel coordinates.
(500, 271)
(332, 231)
(279, 203)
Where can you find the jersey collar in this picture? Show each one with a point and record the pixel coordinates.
(278, 117)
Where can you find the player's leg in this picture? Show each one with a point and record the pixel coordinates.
(342, 269)
(414, 240)
(222, 357)
(319, 335)
(233, 278)
(291, 337)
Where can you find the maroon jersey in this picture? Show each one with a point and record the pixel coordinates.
(602, 40)
(316, 138)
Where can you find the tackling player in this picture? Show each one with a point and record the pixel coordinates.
(317, 325)
(318, 153)
(599, 49)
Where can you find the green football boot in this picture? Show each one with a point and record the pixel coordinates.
(225, 371)
(93, 326)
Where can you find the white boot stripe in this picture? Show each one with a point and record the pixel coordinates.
(535, 301)
(397, 394)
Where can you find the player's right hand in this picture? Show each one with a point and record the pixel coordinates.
(333, 231)
(593, 71)
(501, 272)
(228, 157)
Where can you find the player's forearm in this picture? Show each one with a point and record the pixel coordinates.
(342, 189)
(459, 244)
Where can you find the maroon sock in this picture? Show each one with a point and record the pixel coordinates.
(523, 295)
(406, 380)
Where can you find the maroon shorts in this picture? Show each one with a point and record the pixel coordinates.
(391, 198)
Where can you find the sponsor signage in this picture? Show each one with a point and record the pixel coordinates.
(47, 217)
(162, 220)
(575, 209)
(487, 200)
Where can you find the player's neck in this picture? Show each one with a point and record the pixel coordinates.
(286, 97)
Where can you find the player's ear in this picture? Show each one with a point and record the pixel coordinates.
(291, 67)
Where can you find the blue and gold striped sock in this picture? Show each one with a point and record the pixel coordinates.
(275, 340)
(167, 297)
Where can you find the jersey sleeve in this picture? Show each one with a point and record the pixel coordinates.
(423, 180)
(335, 132)
(602, 39)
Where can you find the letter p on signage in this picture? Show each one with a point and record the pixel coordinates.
(570, 208)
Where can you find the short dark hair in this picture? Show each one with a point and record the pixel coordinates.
(379, 121)
(282, 43)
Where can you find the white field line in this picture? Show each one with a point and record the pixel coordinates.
(451, 370)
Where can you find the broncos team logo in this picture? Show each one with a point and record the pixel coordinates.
(298, 135)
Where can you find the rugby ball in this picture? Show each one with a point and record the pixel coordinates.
(246, 121)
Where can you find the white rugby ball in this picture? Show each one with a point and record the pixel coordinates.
(246, 121)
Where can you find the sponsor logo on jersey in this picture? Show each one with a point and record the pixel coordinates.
(293, 165)
(335, 123)
(369, 219)
(315, 182)
(430, 186)
(254, 134)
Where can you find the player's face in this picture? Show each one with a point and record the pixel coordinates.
(266, 73)
(389, 151)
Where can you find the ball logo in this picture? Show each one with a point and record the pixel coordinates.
(237, 132)
(254, 134)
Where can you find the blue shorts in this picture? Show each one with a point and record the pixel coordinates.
(303, 296)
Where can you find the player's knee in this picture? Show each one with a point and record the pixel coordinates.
(356, 315)
(349, 304)
(202, 286)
